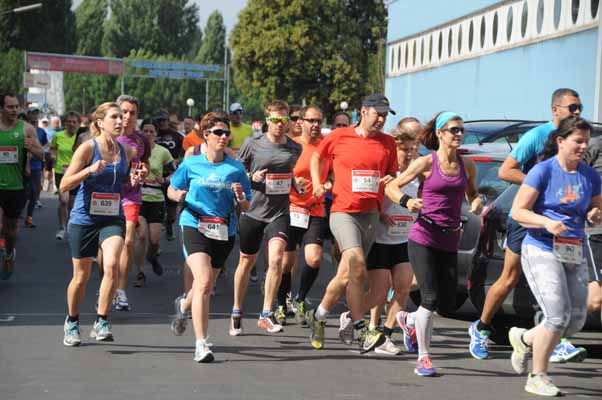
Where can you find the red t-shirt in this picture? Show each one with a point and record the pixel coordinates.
(307, 200)
(358, 164)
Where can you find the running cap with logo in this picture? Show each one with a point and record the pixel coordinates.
(236, 107)
(379, 102)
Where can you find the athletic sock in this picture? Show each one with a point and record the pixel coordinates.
(481, 326)
(424, 326)
(308, 277)
(321, 313)
(265, 313)
(99, 317)
(359, 325)
(73, 319)
(387, 331)
(285, 287)
(236, 313)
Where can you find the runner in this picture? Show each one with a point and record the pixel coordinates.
(557, 197)
(270, 159)
(61, 149)
(212, 185)
(565, 103)
(240, 130)
(152, 211)
(193, 137)
(35, 169)
(18, 140)
(131, 195)
(446, 178)
(363, 160)
(296, 122)
(97, 219)
(308, 224)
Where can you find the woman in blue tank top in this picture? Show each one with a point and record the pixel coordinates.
(98, 167)
(445, 180)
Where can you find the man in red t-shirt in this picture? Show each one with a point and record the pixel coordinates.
(363, 160)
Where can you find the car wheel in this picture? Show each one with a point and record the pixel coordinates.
(460, 299)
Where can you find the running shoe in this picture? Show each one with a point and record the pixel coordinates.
(520, 353)
(346, 331)
(424, 367)
(280, 315)
(72, 333)
(157, 267)
(121, 301)
(316, 336)
(370, 339)
(140, 279)
(235, 325)
(300, 313)
(8, 264)
(542, 385)
(253, 275)
(269, 323)
(565, 352)
(409, 332)
(178, 325)
(60, 235)
(388, 347)
(29, 222)
(479, 342)
(203, 353)
(39, 204)
(290, 305)
(102, 331)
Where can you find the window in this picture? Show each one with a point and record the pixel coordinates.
(459, 39)
(557, 12)
(449, 43)
(509, 22)
(495, 26)
(470, 35)
(575, 10)
(595, 5)
(540, 11)
(483, 32)
(524, 19)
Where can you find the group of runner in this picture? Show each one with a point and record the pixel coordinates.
(395, 219)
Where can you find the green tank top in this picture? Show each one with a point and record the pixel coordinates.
(64, 151)
(12, 157)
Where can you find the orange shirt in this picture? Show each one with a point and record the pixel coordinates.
(358, 164)
(192, 139)
(307, 200)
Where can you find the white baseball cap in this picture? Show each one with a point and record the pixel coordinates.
(235, 107)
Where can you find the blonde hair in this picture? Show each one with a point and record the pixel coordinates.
(276, 105)
(100, 113)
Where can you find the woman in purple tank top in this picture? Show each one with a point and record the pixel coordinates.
(446, 180)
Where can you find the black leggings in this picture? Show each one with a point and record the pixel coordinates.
(437, 276)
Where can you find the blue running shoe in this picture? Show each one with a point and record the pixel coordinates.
(178, 324)
(565, 352)
(424, 367)
(479, 342)
(409, 332)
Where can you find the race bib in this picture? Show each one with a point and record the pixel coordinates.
(150, 187)
(402, 225)
(568, 250)
(299, 217)
(278, 183)
(365, 181)
(9, 154)
(105, 204)
(213, 228)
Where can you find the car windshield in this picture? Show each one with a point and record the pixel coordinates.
(488, 182)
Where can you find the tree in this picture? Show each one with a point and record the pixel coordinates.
(212, 52)
(90, 18)
(49, 29)
(316, 51)
(11, 65)
(158, 26)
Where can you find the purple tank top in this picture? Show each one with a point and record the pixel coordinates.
(442, 197)
(129, 194)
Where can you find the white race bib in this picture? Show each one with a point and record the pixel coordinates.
(278, 183)
(149, 190)
(213, 228)
(9, 154)
(105, 204)
(403, 224)
(365, 181)
(568, 250)
(299, 217)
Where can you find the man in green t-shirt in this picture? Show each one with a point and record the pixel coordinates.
(240, 131)
(18, 142)
(61, 150)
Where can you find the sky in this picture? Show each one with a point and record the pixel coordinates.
(228, 8)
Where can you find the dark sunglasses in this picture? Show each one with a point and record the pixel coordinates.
(313, 121)
(294, 118)
(239, 112)
(455, 130)
(220, 132)
(573, 108)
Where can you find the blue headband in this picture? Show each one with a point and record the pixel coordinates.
(444, 117)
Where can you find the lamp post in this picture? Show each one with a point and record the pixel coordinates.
(344, 105)
(190, 104)
(18, 10)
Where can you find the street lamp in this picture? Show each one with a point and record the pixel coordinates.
(22, 9)
(344, 105)
(190, 104)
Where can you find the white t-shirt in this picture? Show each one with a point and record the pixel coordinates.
(399, 233)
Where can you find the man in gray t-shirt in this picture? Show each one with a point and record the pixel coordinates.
(269, 159)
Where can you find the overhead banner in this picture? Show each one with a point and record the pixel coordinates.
(41, 81)
(78, 64)
(154, 69)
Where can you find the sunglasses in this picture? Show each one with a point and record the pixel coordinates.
(573, 108)
(294, 118)
(455, 130)
(275, 120)
(239, 112)
(341, 126)
(220, 132)
(313, 121)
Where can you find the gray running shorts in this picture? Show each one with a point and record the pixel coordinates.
(354, 230)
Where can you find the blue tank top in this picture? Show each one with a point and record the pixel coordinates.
(102, 184)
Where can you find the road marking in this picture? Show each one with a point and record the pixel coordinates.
(10, 318)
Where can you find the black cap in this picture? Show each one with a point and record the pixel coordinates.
(162, 116)
(379, 102)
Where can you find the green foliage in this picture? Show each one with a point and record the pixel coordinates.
(11, 65)
(158, 26)
(317, 51)
(49, 29)
(212, 52)
(90, 17)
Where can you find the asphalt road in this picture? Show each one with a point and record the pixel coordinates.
(147, 361)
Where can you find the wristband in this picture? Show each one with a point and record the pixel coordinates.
(404, 200)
